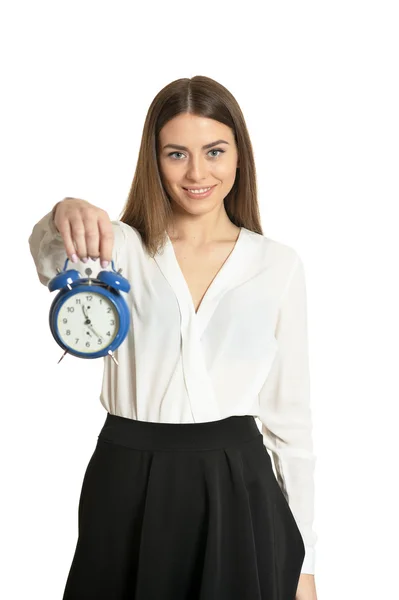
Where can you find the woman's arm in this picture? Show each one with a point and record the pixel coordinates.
(285, 410)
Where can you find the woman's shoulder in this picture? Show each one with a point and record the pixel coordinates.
(273, 250)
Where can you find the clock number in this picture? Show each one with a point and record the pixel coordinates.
(109, 309)
(108, 333)
(89, 298)
(76, 340)
(99, 342)
(112, 322)
(87, 344)
(70, 309)
(68, 332)
(78, 301)
(65, 320)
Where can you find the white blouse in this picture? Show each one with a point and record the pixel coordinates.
(245, 351)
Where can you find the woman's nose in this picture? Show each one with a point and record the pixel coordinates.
(197, 169)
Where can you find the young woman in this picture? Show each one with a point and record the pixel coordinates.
(179, 499)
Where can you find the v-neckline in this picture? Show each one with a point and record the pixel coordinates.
(218, 277)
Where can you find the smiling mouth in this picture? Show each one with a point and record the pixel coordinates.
(199, 189)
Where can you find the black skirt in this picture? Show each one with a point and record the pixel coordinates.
(189, 511)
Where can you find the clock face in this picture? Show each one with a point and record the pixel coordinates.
(87, 322)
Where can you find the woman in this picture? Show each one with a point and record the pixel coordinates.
(179, 499)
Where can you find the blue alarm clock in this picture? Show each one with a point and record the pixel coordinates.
(89, 317)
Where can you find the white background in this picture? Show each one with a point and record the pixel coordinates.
(318, 85)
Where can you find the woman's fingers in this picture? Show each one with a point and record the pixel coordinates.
(106, 238)
(79, 236)
(86, 229)
(92, 234)
(65, 231)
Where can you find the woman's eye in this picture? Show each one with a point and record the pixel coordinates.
(172, 153)
(217, 150)
(214, 150)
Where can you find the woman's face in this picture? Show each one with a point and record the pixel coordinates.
(186, 162)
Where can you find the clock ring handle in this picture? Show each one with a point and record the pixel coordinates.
(112, 278)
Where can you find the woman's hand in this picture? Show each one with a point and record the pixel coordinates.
(86, 230)
(306, 587)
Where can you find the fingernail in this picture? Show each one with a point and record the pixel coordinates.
(104, 263)
(85, 259)
(74, 258)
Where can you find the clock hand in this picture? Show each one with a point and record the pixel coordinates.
(94, 331)
(88, 322)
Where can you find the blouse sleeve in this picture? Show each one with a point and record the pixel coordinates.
(285, 410)
(48, 250)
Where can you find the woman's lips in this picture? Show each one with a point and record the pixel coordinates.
(197, 195)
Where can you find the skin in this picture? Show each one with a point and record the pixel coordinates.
(198, 222)
(86, 229)
(306, 587)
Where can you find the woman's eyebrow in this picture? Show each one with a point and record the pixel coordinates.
(203, 147)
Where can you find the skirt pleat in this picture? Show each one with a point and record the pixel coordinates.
(173, 511)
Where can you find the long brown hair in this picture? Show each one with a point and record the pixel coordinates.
(147, 207)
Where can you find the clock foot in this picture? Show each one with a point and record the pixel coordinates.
(66, 352)
(113, 357)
